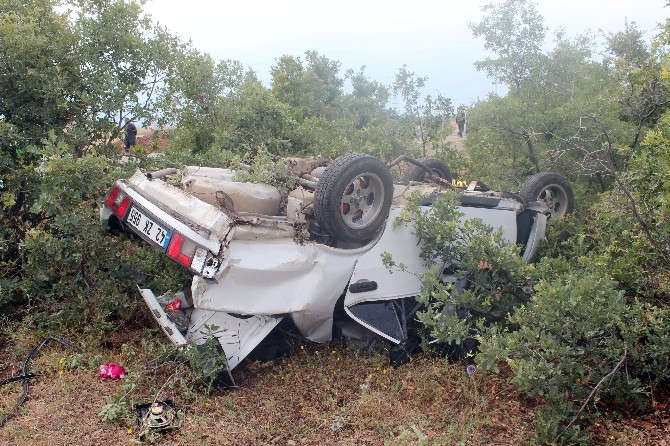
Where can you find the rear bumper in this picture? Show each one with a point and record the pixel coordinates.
(204, 232)
(238, 335)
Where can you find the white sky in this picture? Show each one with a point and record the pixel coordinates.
(431, 37)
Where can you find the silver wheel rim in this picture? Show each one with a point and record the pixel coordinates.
(556, 199)
(362, 201)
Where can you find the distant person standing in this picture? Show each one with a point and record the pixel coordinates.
(460, 121)
(131, 135)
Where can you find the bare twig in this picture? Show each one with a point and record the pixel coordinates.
(595, 389)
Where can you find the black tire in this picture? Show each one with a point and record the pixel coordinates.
(353, 197)
(551, 188)
(416, 173)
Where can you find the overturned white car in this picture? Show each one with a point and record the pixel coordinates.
(259, 256)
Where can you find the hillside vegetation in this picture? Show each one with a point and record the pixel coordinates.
(565, 345)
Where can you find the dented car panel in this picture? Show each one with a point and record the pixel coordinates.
(279, 276)
(254, 265)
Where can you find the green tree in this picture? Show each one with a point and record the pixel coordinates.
(39, 73)
(258, 120)
(83, 70)
(546, 123)
(69, 72)
(368, 99)
(604, 119)
(645, 91)
(126, 65)
(201, 94)
(426, 114)
(514, 31)
(310, 90)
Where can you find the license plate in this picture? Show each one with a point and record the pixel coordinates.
(154, 232)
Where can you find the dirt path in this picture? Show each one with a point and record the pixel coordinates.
(456, 141)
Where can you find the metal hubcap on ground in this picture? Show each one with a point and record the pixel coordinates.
(362, 201)
(556, 199)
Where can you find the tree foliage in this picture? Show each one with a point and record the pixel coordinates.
(427, 114)
(514, 31)
(305, 111)
(573, 110)
(597, 302)
(487, 278)
(310, 90)
(81, 66)
(69, 72)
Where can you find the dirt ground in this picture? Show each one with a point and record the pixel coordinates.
(326, 394)
(457, 142)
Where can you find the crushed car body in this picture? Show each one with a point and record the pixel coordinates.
(258, 256)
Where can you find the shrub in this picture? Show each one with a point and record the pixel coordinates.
(577, 341)
(485, 275)
(69, 273)
(567, 330)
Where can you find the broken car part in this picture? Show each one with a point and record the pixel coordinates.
(158, 416)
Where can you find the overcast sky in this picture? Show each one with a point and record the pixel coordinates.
(431, 37)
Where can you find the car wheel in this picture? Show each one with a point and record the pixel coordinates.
(552, 189)
(353, 197)
(438, 167)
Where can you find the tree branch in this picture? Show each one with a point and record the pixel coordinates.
(595, 389)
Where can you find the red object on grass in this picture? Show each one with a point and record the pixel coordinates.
(111, 371)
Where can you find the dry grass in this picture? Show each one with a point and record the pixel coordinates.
(319, 395)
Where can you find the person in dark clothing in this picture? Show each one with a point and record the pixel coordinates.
(131, 135)
(460, 121)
